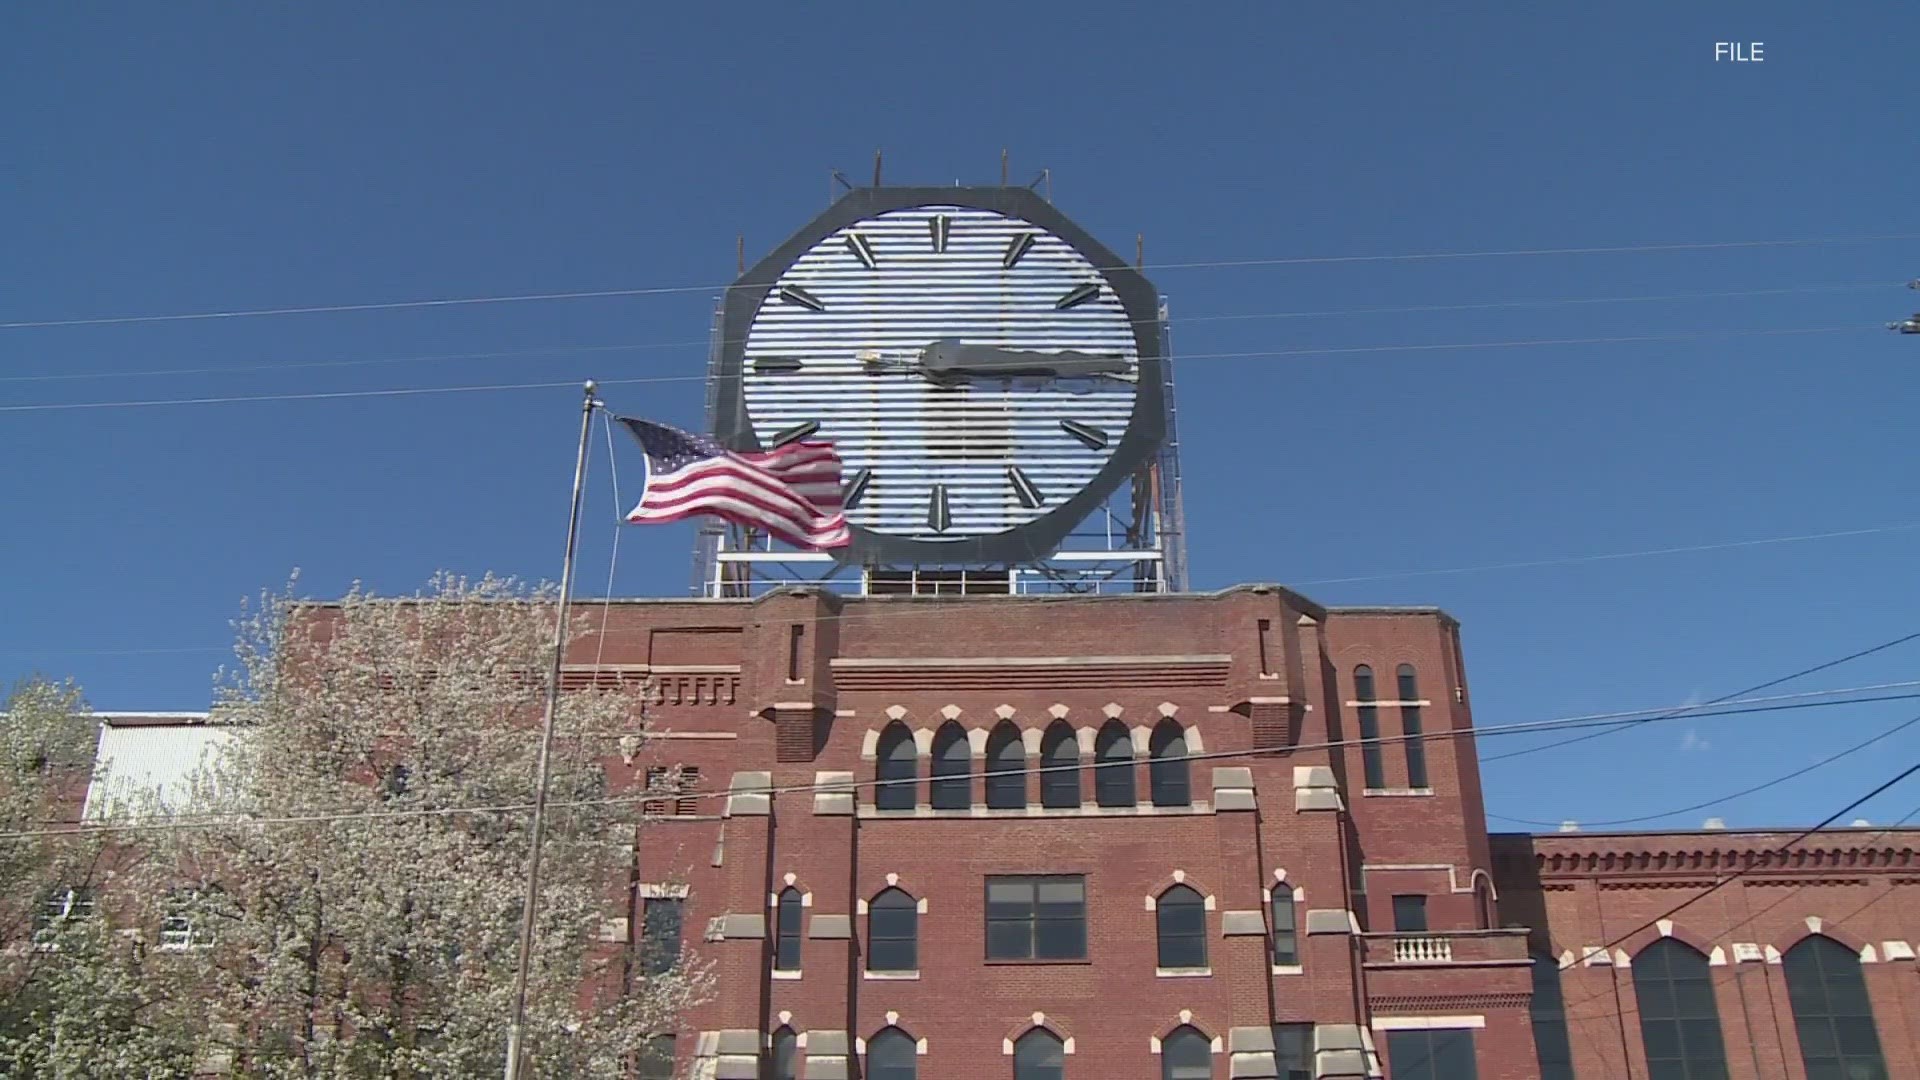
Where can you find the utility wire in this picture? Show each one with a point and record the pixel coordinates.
(1769, 684)
(1777, 703)
(1629, 249)
(1682, 335)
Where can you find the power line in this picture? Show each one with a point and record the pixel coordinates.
(1323, 260)
(1802, 673)
(1681, 335)
(1180, 319)
(1777, 703)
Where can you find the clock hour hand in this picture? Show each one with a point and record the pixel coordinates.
(948, 360)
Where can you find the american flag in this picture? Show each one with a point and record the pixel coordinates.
(792, 491)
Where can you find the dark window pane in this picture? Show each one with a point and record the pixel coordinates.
(1293, 1051)
(660, 919)
(896, 769)
(1363, 683)
(1370, 759)
(1409, 686)
(1440, 1054)
(1410, 914)
(1039, 1055)
(1036, 918)
(1286, 942)
(1416, 746)
(1167, 772)
(1181, 918)
(786, 955)
(1010, 940)
(951, 787)
(1006, 769)
(890, 1056)
(1679, 1019)
(893, 932)
(656, 1061)
(1549, 1013)
(1060, 762)
(786, 1054)
(1113, 766)
(1186, 1055)
(1832, 1011)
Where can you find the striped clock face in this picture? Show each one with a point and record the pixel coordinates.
(829, 356)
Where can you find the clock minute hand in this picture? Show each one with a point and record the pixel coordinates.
(949, 359)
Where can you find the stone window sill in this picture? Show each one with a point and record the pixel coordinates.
(1182, 973)
(890, 976)
(1398, 792)
(1289, 969)
(787, 975)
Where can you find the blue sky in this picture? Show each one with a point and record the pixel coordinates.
(207, 158)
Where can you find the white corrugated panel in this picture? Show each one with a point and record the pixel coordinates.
(137, 762)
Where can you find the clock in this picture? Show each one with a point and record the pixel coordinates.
(988, 372)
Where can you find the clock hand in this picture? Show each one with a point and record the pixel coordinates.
(948, 359)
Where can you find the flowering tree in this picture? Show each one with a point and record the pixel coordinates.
(344, 899)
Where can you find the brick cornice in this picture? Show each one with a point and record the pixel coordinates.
(1418, 1004)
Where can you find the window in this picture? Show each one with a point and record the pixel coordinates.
(687, 802)
(656, 1061)
(1037, 918)
(786, 1054)
(660, 919)
(1679, 1020)
(1831, 1011)
(893, 932)
(1410, 727)
(786, 942)
(795, 638)
(60, 908)
(1549, 1011)
(1113, 765)
(1167, 771)
(1059, 768)
(1186, 1055)
(950, 788)
(895, 769)
(1376, 773)
(1434, 1054)
(1180, 918)
(1485, 907)
(1293, 1051)
(890, 1056)
(1410, 914)
(1006, 769)
(1286, 937)
(1039, 1055)
(656, 784)
(1265, 627)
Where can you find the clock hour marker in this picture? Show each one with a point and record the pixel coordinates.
(1078, 296)
(1092, 437)
(776, 365)
(793, 434)
(794, 294)
(1024, 488)
(1017, 247)
(856, 488)
(862, 249)
(938, 514)
(939, 226)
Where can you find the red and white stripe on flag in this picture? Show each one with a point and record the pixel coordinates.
(791, 492)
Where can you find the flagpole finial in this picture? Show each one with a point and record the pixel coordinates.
(591, 387)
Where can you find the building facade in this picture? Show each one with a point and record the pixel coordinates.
(946, 837)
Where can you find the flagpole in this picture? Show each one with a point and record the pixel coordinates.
(516, 1031)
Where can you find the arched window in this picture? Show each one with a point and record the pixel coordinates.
(1286, 940)
(1485, 907)
(1167, 772)
(1370, 761)
(896, 769)
(1831, 1011)
(893, 932)
(1679, 1020)
(1039, 1055)
(1060, 767)
(1186, 1055)
(786, 1054)
(890, 1056)
(1549, 1009)
(1113, 765)
(1410, 727)
(950, 788)
(786, 940)
(1180, 916)
(1006, 768)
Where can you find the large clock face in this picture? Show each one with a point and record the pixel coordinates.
(987, 372)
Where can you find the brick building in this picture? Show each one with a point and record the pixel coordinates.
(955, 837)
